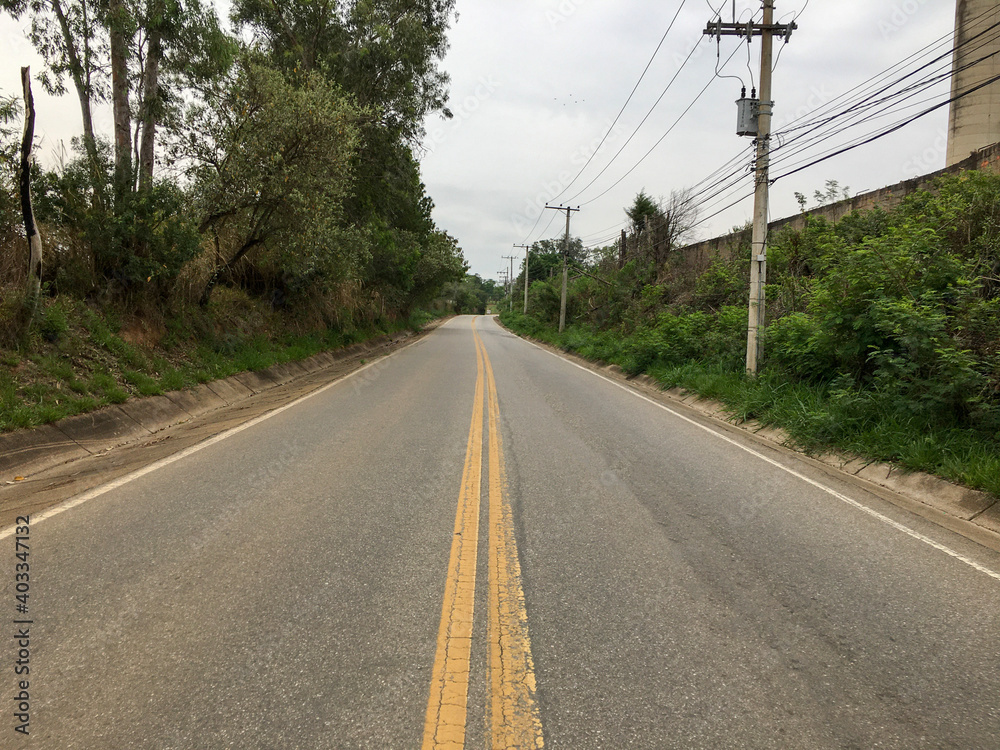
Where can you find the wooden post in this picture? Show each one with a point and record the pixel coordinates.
(34, 286)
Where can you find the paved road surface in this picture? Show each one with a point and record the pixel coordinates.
(474, 541)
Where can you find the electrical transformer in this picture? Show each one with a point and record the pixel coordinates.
(747, 111)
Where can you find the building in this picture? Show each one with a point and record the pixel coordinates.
(974, 120)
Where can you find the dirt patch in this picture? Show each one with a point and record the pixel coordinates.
(142, 332)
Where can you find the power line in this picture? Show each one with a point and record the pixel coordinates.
(872, 136)
(530, 231)
(612, 127)
(658, 142)
(815, 118)
(658, 100)
(785, 44)
(892, 129)
(925, 82)
(872, 100)
(542, 234)
(863, 114)
(634, 88)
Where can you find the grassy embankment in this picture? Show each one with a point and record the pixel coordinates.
(79, 357)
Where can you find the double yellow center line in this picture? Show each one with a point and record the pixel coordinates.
(512, 713)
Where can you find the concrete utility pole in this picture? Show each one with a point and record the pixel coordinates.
(766, 30)
(527, 256)
(511, 277)
(562, 303)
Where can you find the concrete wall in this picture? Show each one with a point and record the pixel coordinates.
(974, 120)
(700, 254)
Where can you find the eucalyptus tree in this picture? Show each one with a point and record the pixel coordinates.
(138, 54)
(70, 37)
(384, 53)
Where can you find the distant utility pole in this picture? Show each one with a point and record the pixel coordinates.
(766, 30)
(562, 303)
(527, 255)
(511, 277)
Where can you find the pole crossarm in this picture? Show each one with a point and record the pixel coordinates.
(568, 211)
(721, 28)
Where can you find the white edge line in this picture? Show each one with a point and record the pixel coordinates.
(76, 500)
(819, 485)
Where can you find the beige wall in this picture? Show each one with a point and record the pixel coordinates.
(974, 120)
(700, 254)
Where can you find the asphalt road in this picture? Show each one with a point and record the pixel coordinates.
(368, 568)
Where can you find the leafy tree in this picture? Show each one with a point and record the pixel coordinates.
(390, 207)
(184, 49)
(546, 258)
(832, 194)
(384, 53)
(555, 246)
(643, 210)
(10, 110)
(140, 54)
(272, 170)
(391, 60)
(660, 227)
(471, 295)
(678, 216)
(440, 261)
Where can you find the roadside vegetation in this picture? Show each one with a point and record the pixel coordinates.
(883, 336)
(258, 200)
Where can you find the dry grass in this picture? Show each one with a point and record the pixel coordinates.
(13, 259)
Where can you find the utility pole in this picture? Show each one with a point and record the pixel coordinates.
(562, 303)
(511, 277)
(766, 30)
(527, 256)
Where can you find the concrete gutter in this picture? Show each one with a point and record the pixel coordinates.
(974, 506)
(27, 452)
(974, 514)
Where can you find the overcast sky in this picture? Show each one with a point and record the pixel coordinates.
(536, 84)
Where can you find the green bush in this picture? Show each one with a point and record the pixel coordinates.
(54, 320)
